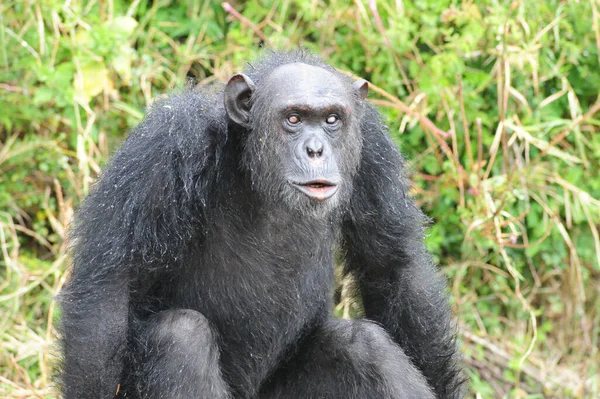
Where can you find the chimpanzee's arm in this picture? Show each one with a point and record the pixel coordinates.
(137, 221)
(94, 331)
(400, 286)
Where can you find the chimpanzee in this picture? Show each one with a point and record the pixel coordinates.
(203, 257)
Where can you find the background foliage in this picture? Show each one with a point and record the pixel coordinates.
(495, 103)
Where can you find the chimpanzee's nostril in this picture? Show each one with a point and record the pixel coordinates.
(312, 153)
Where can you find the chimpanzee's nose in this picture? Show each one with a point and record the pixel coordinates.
(314, 147)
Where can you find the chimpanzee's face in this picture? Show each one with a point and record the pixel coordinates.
(304, 145)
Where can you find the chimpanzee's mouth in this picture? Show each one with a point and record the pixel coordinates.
(317, 189)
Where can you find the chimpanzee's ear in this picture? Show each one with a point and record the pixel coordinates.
(361, 87)
(238, 92)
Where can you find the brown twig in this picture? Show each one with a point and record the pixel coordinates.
(16, 89)
(595, 108)
(246, 22)
(380, 27)
(397, 103)
(465, 122)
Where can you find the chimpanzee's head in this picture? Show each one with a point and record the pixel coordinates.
(304, 140)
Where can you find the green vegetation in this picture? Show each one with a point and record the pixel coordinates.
(494, 102)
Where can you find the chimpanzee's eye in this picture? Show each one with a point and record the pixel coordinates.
(332, 119)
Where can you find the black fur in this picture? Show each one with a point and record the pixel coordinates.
(198, 273)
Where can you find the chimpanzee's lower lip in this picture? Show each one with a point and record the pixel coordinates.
(317, 189)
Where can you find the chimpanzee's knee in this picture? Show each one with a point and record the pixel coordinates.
(349, 359)
(181, 328)
(177, 356)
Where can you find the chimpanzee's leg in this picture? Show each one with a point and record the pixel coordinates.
(349, 360)
(177, 357)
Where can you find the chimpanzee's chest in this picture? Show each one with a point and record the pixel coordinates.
(261, 292)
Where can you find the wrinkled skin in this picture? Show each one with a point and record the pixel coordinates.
(203, 257)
